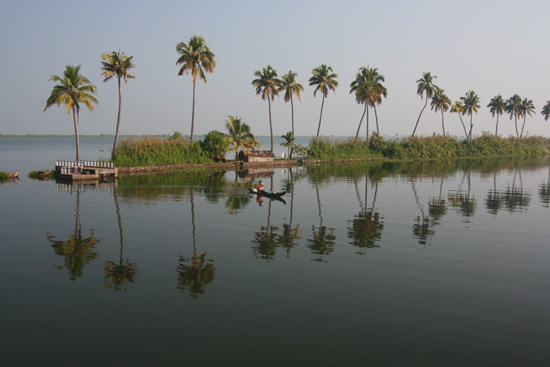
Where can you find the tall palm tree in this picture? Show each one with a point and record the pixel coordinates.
(196, 58)
(497, 107)
(291, 88)
(526, 108)
(324, 80)
(546, 111)
(471, 104)
(369, 90)
(239, 135)
(72, 89)
(458, 107)
(267, 85)
(425, 86)
(513, 107)
(441, 102)
(117, 64)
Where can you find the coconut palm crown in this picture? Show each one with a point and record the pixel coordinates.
(291, 88)
(71, 90)
(197, 59)
(441, 102)
(425, 86)
(471, 104)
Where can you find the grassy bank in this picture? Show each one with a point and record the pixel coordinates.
(153, 151)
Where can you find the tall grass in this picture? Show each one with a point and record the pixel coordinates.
(150, 151)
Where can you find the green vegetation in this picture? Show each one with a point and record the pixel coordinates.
(150, 151)
(4, 176)
(215, 145)
(291, 88)
(117, 64)
(239, 135)
(72, 89)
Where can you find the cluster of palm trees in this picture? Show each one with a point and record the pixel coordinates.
(196, 58)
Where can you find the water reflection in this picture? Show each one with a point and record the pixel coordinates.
(77, 251)
(196, 272)
(463, 200)
(366, 227)
(322, 239)
(118, 275)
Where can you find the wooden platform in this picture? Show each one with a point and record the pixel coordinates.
(84, 170)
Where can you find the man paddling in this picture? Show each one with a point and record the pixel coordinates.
(260, 186)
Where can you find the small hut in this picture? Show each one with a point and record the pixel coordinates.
(256, 156)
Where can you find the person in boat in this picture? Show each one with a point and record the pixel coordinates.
(260, 186)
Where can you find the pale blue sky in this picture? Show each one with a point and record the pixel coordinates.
(490, 47)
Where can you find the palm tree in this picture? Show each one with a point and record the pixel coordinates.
(73, 88)
(526, 108)
(513, 106)
(425, 86)
(441, 102)
(497, 107)
(471, 104)
(324, 80)
(546, 111)
(267, 85)
(369, 90)
(291, 88)
(117, 64)
(458, 107)
(288, 142)
(239, 135)
(196, 58)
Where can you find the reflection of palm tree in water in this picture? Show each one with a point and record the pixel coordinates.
(366, 227)
(422, 228)
(77, 252)
(464, 202)
(544, 191)
(197, 272)
(494, 198)
(117, 276)
(323, 239)
(515, 198)
(437, 207)
(290, 234)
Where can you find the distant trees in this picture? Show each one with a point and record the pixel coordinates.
(196, 58)
(513, 108)
(117, 64)
(291, 88)
(324, 80)
(497, 106)
(441, 102)
(72, 89)
(471, 104)
(425, 86)
(368, 90)
(526, 108)
(267, 85)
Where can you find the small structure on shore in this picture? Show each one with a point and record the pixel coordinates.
(85, 170)
(256, 156)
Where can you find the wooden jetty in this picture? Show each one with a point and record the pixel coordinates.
(85, 170)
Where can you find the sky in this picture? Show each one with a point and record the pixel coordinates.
(490, 47)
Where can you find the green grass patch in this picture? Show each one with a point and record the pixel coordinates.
(4, 176)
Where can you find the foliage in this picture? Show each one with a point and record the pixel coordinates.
(149, 151)
(215, 145)
(4, 176)
(324, 80)
(239, 135)
(267, 86)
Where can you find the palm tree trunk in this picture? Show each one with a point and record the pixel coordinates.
(270, 123)
(496, 129)
(471, 127)
(320, 117)
(463, 126)
(292, 114)
(360, 122)
(75, 118)
(516, 122)
(118, 118)
(524, 118)
(367, 140)
(443, 122)
(376, 116)
(415, 126)
(193, 112)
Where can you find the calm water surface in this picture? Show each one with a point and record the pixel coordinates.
(387, 264)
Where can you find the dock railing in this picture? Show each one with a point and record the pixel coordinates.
(93, 164)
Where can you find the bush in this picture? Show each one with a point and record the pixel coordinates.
(4, 176)
(214, 145)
